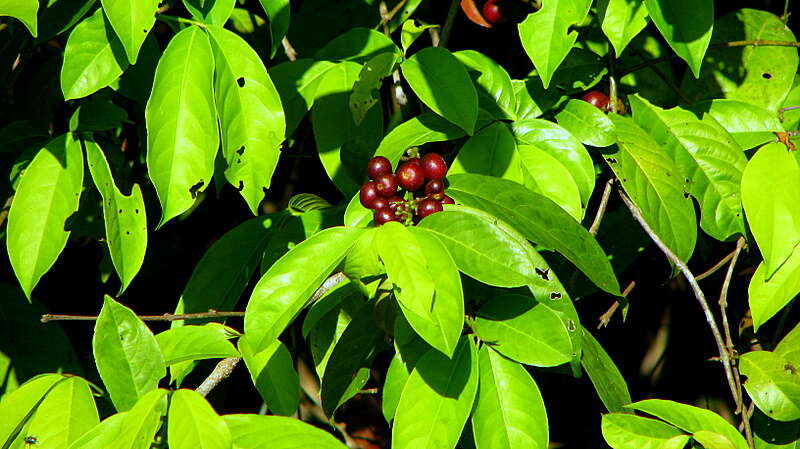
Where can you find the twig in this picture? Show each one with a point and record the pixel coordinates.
(716, 266)
(387, 16)
(785, 17)
(698, 292)
(288, 49)
(223, 369)
(165, 317)
(605, 318)
(601, 208)
(6, 208)
(723, 304)
(448, 23)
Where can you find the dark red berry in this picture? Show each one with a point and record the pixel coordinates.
(428, 206)
(447, 200)
(368, 194)
(377, 166)
(386, 185)
(410, 176)
(435, 167)
(384, 215)
(596, 99)
(434, 186)
(380, 202)
(494, 11)
(415, 160)
(394, 202)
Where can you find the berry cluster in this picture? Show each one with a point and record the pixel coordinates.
(422, 179)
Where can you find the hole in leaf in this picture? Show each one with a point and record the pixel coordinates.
(555, 295)
(119, 211)
(544, 274)
(195, 189)
(127, 232)
(686, 194)
(144, 31)
(240, 187)
(240, 81)
(611, 160)
(240, 151)
(766, 75)
(136, 211)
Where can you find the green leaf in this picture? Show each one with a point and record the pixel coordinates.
(539, 220)
(773, 383)
(124, 217)
(411, 31)
(547, 176)
(221, 276)
(652, 181)
(626, 431)
(24, 10)
(588, 123)
(250, 115)
(103, 435)
(97, 115)
(705, 155)
(182, 132)
(748, 124)
(366, 90)
(93, 57)
(771, 199)
(344, 147)
(532, 99)
(690, 419)
(278, 432)
(559, 143)
(407, 267)
(621, 21)
(279, 15)
(546, 35)
(437, 399)
(127, 355)
(357, 45)
(712, 440)
(509, 410)
(329, 328)
(582, 69)
(193, 423)
(137, 81)
(192, 342)
(495, 92)
(141, 422)
(274, 376)
(443, 84)
(394, 382)
(283, 290)
(687, 34)
(604, 374)
(58, 16)
(789, 346)
(46, 197)
(131, 20)
(491, 151)
(212, 12)
(17, 407)
(767, 295)
(297, 83)
(524, 330)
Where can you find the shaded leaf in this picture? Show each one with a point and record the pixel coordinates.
(687, 34)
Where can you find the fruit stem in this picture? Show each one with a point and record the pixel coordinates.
(448, 23)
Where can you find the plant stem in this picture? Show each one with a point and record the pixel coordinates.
(716, 266)
(605, 318)
(288, 49)
(176, 19)
(601, 208)
(448, 23)
(698, 292)
(223, 369)
(386, 17)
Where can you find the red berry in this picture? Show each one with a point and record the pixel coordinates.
(596, 99)
(434, 186)
(377, 166)
(447, 200)
(415, 160)
(386, 185)
(384, 215)
(379, 203)
(435, 167)
(494, 11)
(410, 176)
(368, 194)
(428, 206)
(394, 202)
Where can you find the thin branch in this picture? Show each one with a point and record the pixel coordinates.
(6, 208)
(605, 318)
(387, 16)
(716, 266)
(698, 292)
(448, 23)
(223, 369)
(601, 208)
(723, 304)
(288, 49)
(165, 317)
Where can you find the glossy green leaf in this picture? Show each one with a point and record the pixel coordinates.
(559, 143)
(211, 12)
(437, 399)
(653, 182)
(524, 330)
(396, 377)
(250, 115)
(773, 383)
(330, 328)
(407, 267)
(46, 197)
(279, 15)
(771, 199)
(103, 435)
(193, 423)
(274, 376)
(539, 220)
(604, 374)
(192, 342)
(748, 124)
(344, 147)
(789, 346)
(687, 34)
(366, 90)
(443, 84)
(547, 176)
(707, 156)
(621, 21)
(24, 10)
(626, 431)
(124, 216)
(491, 151)
(141, 422)
(182, 132)
(357, 45)
(17, 407)
(57, 16)
(690, 419)
(97, 115)
(767, 295)
(588, 123)
(127, 355)
(221, 276)
(283, 290)
(277, 432)
(292, 229)
(93, 57)
(495, 92)
(712, 440)
(581, 70)
(509, 410)
(546, 35)
(771, 434)
(532, 99)
(411, 31)
(131, 20)
(297, 83)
